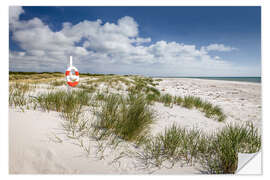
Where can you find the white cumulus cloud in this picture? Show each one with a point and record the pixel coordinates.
(108, 47)
(219, 47)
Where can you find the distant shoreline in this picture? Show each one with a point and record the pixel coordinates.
(237, 79)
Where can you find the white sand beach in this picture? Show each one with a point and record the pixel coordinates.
(38, 143)
(241, 101)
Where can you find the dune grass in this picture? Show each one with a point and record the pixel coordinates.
(151, 98)
(143, 85)
(144, 80)
(62, 100)
(178, 100)
(100, 96)
(126, 117)
(224, 147)
(17, 94)
(58, 83)
(69, 105)
(23, 87)
(111, 80)
(167, 99)
(217, 153)
(34, 77)
(129, 117)
(174, 145)
(87, 88)
(190, 102)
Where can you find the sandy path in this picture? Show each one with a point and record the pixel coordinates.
(32, 151)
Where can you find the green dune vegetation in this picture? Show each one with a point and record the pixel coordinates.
(123, 113)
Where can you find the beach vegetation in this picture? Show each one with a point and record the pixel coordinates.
(151, 98)
(63, 101)
(70, 105)
(34, 77)
(128, 118)
(222, 154)
(17, 94)
(178, 100)
(87, 88)
(188, 102)
(167, 99)
(58, 83)
(217, 153)
(174, 145)
(99, 96)
(210, 111)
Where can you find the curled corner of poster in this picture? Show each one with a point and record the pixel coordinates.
(249, 164)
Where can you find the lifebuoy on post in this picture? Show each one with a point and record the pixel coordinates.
(72, 76)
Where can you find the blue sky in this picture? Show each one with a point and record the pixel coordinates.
(166, 41)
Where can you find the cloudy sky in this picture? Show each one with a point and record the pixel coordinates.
(158, 41)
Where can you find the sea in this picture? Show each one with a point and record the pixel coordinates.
(242, 79)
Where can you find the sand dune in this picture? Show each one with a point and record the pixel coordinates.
(38, 144)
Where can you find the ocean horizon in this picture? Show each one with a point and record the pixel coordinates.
(239, 79)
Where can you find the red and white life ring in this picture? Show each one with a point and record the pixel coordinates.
(72, 76)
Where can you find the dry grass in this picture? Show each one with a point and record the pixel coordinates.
(34, 78)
